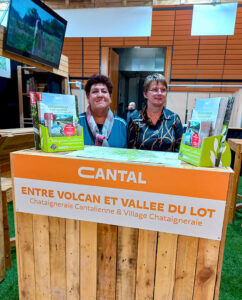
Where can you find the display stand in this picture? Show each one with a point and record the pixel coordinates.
(61, 258)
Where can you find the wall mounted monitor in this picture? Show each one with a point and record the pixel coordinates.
(35, 31)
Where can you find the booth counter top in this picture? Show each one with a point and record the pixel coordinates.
(118, 225)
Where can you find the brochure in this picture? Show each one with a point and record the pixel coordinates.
(203, 143)
(58, 113)
(207, 110)
(58, 123)
(196, 132)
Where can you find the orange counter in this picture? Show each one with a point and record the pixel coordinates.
(103, 229)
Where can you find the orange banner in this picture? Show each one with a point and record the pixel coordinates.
(188, 182)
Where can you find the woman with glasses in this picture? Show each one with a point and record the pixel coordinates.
(155, 127)
(100, 126)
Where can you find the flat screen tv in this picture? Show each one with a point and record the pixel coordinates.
(35, 31)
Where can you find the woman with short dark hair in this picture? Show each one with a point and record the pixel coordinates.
(100, 126)
(155, 127)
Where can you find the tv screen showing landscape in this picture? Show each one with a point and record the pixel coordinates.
(35, 31)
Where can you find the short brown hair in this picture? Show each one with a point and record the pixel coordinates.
(154, 77)
(99, 79)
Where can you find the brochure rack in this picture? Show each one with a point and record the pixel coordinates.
(206, 155)
(75, 252)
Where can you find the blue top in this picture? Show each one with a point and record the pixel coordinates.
(117, 137)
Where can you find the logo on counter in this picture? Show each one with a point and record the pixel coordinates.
(53, 147)
(114, 175)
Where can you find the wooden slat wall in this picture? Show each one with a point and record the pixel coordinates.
(73, 49)
(91, 56)
(206, 59)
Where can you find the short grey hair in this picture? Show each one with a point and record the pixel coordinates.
(154, 77)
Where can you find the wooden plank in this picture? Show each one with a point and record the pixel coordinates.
(211, 61)
(168, 62)
(233, 61)
(6, 185)
(212, 47)
(159, 30)
(222, 242)
(161, 23)
(212, 76)
(233, 56)
(113, 75)
(15, 131)
(184, 67)
(231, 77)
(126, 263)
(185, 267)
(232, 67)
(106, 261)
(165, 266)
(163, 17)
(146, 262)
(88, 237)
(7, 249)
(57, 258)
(179, 73)
(161, 38)
(72, 259)
(163, 13)
(104, 60)
(211, 67)
(237, 168)
(210, 72)
(206, 271)
(25, 255)
(2, 251)
(157, 44)
(233, 71)
(12, 242)
(185, 52)
(41, 257)
(134, 44)
(212, 42)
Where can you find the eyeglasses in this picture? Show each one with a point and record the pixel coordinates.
(156, 91)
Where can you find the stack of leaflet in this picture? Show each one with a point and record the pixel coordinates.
(56, 122)
(210, 118)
